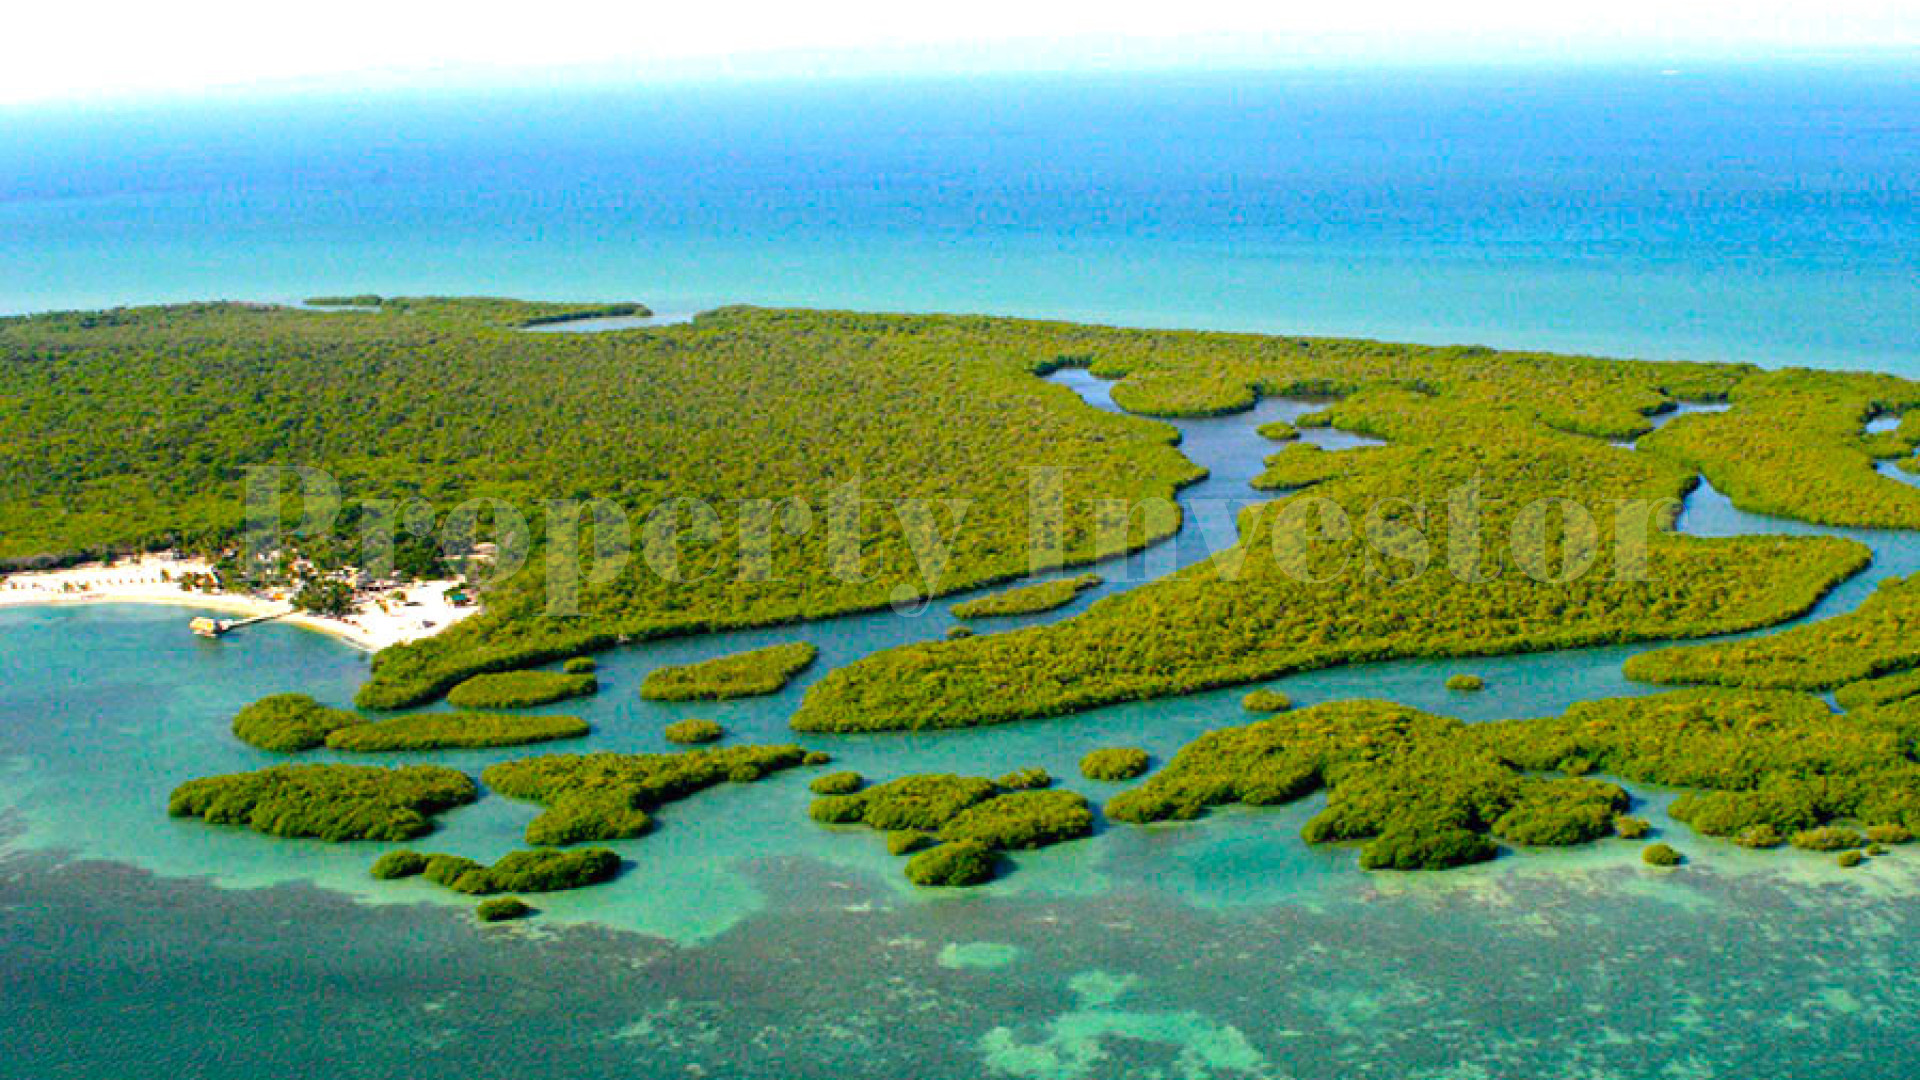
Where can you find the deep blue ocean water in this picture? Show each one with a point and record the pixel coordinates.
(1750, 213)
(1765, 215)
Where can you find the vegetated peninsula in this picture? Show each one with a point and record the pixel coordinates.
(745, 674)
(1848, 651)
(129, 428)
(606, 796)
(504, 312)
(1027, 599)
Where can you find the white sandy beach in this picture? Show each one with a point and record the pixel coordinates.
(384, 618)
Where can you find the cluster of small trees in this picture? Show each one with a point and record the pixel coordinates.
(519, 871)
(1114, 763)
(1420, 791)
(955, 826)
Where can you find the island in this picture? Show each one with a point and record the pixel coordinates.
(775, 467)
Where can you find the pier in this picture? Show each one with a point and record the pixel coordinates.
(209, 627)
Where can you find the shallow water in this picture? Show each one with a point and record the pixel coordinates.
(614, 322)
(745, 940)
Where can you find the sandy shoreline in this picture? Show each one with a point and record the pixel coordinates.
(382, 619)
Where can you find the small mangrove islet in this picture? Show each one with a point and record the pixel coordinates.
(1266, 701)
(1661, 855)
(837, 783)
(1114, 763)
(502, 909)
(747, 674)
(692, 732)
(327, 802)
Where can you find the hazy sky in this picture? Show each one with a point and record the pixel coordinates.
(120, 48)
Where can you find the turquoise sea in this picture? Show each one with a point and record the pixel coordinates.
(1720, 212)
(1758, 214)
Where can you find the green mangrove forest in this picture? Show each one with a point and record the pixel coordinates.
(1433, 545)
(133, 428)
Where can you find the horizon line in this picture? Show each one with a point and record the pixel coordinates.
(948, 64)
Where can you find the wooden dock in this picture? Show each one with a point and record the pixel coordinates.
(209, 627)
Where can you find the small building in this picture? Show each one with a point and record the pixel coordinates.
(210, 628)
